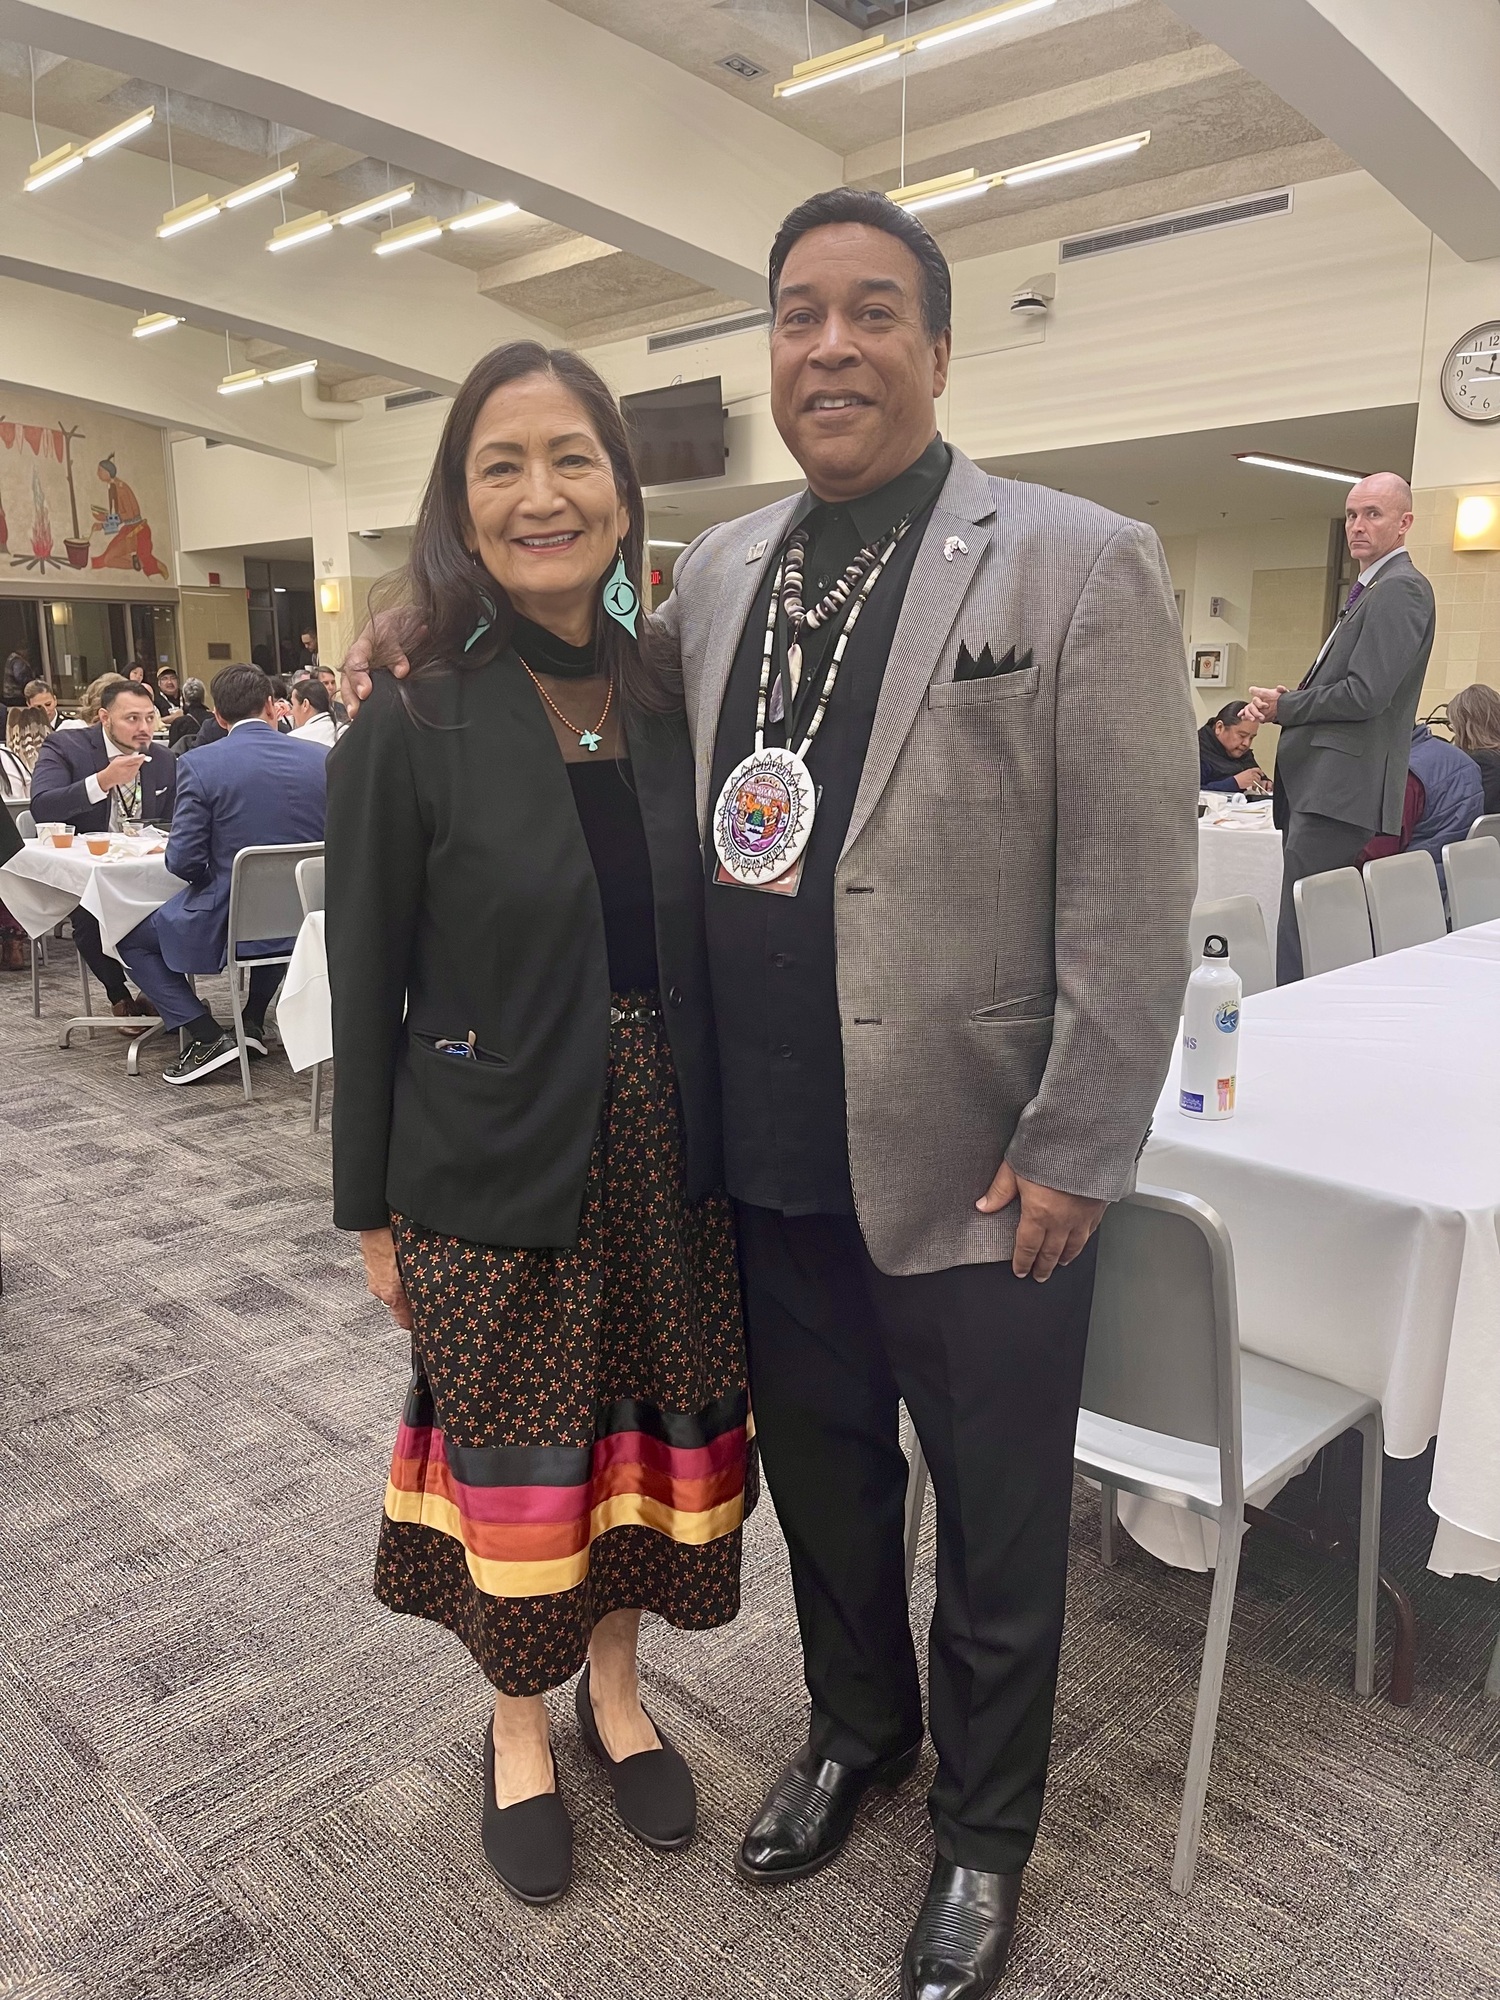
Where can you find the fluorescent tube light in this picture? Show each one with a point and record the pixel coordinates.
(475, 218)
(1273, 464)
(941, 200)
(51, 167)
(376, 205)
(657, 543)
(118, 134)
(157, 322)
(202, 208)
(319, 223)
(836, 74)
(1068, 163)
(253, 190)
(291, 372)
(426, 229)
(974, 25)
(248, 378)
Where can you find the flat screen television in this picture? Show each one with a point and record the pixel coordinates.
(678, 433)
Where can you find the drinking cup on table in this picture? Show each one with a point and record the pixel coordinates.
(97, 843)
(62, 836)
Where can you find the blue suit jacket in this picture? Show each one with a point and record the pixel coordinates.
(254, 788)
(69, 757)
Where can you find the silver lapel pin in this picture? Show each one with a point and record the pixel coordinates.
(954, 546)
(757, 550)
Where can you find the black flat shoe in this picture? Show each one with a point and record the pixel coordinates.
(808, 1814)
(962, 1937)
(654, 1791)
(530, 1845)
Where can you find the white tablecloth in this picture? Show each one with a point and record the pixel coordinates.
(1360, 1179)
(304, 1013)
(43, 884)
(1239, 854)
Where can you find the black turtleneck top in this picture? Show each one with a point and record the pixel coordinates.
(610, 815)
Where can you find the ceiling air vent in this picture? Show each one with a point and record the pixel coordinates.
(1188, 223)
(706, 329)
(742, 67)
(405, 398)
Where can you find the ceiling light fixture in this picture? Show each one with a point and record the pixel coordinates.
(1275, 464)
(202, 208)
(973, 25)
(487, 211)
(305, 230)
(376, 205)
(426, 229)
(157, 322)
(118, 134)
(268, 184)
(52, 166)
(857, 57)
(658, 543)
(919, 195)
(257, 378)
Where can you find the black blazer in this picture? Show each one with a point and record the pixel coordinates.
(460, 896)
(69, 757)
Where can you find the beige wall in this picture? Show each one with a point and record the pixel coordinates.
(219, 617)
(1466, 584)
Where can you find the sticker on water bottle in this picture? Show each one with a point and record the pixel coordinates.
(1226, 1093)
(1227, 1019)
(1190, 1100)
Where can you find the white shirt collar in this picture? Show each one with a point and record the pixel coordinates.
(1367, 575)
(250, 718)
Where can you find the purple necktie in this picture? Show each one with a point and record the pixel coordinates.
(1357, 590)
(1355, 594)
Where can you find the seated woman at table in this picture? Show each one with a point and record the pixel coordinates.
(525, 1137)
(1474, 720)
(1226, 763)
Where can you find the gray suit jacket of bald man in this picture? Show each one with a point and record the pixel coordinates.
(1011, 904)
(1346, 736)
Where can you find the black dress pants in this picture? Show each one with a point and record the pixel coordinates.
(90, 947)
(990, 1367)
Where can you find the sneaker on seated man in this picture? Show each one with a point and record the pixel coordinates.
(252, 788)
(102, 778)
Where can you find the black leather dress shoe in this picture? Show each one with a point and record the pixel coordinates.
(959, 1947)
(808, 1813)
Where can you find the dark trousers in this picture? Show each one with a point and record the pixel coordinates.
(90, 946)
(1310, 844)
(168, 990)
(989, 1367)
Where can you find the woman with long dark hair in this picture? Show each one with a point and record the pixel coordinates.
(1474, 722)
(526, 1118)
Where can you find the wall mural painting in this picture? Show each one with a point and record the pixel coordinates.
(42, 467)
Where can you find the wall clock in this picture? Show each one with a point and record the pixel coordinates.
(1471, 375)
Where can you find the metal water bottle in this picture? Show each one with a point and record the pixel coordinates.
(1210, 1035)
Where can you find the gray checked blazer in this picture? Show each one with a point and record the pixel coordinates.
(1011, 904)
(1346, 736)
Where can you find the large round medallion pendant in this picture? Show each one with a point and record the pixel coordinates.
(764, 815)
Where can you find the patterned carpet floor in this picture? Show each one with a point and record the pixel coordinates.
(227, 1774)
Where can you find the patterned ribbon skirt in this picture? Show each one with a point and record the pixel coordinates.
(576, 1438)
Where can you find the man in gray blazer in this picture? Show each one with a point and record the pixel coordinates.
(941, 1034)
(1346, 730)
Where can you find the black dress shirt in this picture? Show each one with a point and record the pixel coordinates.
(772, 959)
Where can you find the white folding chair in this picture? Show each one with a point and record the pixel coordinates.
(1175, 1411)
(1333, 920)
(1241, 922)
(263, 903)
(310, 893)
(1405, 900)
(1486, 827)
(1472, 867)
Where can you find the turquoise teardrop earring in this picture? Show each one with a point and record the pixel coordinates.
(620, 598)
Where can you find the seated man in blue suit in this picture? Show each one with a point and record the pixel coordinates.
(252, 788)
(95, 779)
